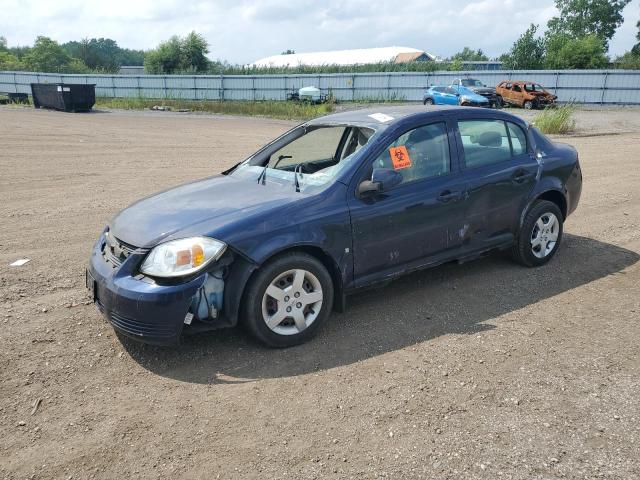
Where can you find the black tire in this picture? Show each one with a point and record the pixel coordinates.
(528, 105)
(497, 104)
(252, 317)
(523, 250)
(428, 101)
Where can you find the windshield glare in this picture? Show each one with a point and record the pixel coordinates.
(317, 153)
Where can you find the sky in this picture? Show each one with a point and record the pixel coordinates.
(241, 31)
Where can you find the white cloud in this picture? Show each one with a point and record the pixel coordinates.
(241, 31)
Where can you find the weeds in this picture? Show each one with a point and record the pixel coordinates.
(272, 109)
(556, 120)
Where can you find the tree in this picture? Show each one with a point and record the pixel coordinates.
(165, 58)
(581, 18)
(9, 61)
(193, 53)
(103, 54)
(566, 52)
(628, 61)
(527, 52)
(636, 48)
(48, 56)
(178, 55)
(469, 55)
(288, 51)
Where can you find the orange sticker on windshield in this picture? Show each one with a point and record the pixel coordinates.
(400, 157)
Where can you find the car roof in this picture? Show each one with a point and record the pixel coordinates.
(399, 113)
(363, 116)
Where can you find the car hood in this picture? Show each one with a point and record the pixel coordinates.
(475, 97)
(197, 208)
(540, 94)
(484, 90)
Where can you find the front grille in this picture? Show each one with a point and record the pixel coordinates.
(115, 251)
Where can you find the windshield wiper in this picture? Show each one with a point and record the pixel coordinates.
(295, 176)
(280, 158)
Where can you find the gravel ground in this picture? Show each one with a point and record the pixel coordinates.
(486, 370)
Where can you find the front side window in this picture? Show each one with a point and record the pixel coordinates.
(486, 142)
(315, 155)
(419, 153)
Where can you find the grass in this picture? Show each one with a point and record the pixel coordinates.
(271, 109)
(556, 120)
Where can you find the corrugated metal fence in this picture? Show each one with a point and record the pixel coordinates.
(581, 86)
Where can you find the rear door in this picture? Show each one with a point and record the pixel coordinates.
(500, 168)
(416, 222)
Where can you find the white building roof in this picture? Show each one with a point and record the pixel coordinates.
(337, 57)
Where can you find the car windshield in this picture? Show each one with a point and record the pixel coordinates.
(533, 87)
(318, 154)
(471, 82)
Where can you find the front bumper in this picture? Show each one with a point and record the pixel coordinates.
(135, 305)
(477, 104)
(491, 97)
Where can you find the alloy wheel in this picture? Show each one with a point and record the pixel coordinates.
(292, 302)
(545, 235)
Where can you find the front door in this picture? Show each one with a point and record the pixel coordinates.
(418, 221)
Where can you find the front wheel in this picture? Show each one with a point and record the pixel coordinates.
(528, 105)
(287, 300)
(539, 236)
(428, 101)
(497, 103)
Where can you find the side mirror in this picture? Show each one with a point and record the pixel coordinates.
(382, 179)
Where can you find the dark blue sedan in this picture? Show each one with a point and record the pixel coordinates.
(334, 205)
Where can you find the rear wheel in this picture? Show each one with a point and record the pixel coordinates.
(288, 300)
(540, 235)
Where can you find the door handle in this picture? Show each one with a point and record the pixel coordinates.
(448, 195)
(522, 176)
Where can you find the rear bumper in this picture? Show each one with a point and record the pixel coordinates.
(136, 306)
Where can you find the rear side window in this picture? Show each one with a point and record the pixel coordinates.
(518, 139)
(486, 142)
(419, 153)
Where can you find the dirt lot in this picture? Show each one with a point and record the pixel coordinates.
(485, 370)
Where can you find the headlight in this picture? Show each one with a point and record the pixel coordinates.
(182, 257)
